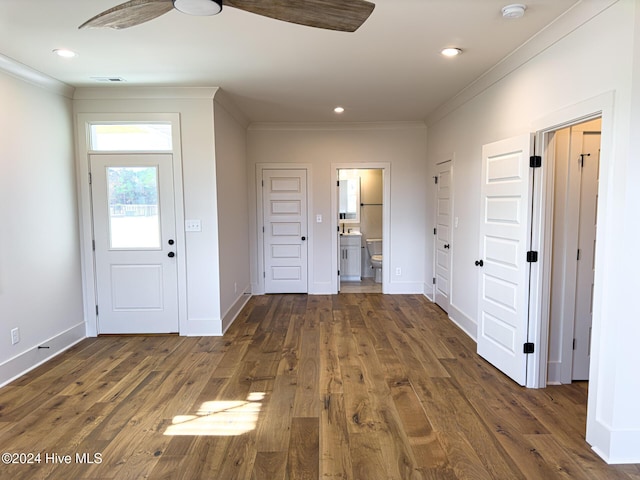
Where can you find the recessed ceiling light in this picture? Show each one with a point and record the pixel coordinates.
(339, 109)
(450, 52)
(515, 10)
(65, 53)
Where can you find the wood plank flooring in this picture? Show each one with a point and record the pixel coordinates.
(343, 387)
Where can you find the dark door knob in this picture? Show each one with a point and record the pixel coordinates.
(447, 246)
(171, 242)
(304, 238)
(479, 263)
(171, 254)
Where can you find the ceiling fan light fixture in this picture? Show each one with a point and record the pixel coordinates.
(339, 110)
(198, 7)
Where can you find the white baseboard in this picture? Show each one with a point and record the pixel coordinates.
(614, 446)
(34, 357)
(405, 288)
(232, 313)
(466, 323)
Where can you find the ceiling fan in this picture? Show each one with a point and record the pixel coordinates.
(341, 15)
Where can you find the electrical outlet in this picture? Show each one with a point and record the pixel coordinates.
(15, 336)
(398, 271)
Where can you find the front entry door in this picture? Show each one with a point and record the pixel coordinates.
(134, 230)
(504, 273)
(284, 200)
(443, 236)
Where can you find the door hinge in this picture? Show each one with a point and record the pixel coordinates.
(436, 180)
(528, 347)
(264, 275)
(96, 309)
(435, 231)
(434, 280)
(535, 161)
(338, 272)
(93, 245)
(90, 178)
(532, 256)
(578, 256)
(338, 183)
(263, 183)
(574, 343)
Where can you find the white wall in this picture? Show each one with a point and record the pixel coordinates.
(233, 208)
(40, 277)
(403, 145)
(196, 109)
(582, 63)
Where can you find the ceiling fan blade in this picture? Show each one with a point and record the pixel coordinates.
(341, 15)
(129, 14)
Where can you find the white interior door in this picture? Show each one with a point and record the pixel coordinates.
(504, 272)
(134, 229)
(284, 206)
(586, 255)
(443, 235)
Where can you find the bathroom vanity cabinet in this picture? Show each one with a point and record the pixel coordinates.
(350, 257)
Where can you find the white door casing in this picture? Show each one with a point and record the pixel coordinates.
(443, 236)
(503, 291)
(135, 247)
(284, 205)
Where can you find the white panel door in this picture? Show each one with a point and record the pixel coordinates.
(134, 228)
(284, 204)
(504, 271)
(443, 236)
(586, 255)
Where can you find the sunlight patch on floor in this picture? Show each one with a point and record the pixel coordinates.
(220, 418)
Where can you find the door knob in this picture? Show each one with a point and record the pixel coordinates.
(171, 242)
(447, 246)
(171, 254)
(479, 263)
(304, 238)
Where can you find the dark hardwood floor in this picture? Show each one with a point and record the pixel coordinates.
(351, 386)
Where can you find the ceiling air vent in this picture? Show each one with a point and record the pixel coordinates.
(109, 79)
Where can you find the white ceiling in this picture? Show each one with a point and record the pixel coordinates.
(388, 70)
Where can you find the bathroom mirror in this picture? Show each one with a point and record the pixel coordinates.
(349, 188)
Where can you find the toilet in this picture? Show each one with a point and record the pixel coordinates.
(374, 249)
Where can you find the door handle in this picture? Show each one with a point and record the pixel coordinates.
(171, 254)
(304, 238)
(447, 246)
(479, 263)
(171, 242)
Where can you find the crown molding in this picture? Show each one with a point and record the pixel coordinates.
(120, 92)
(578, 15)
(341, 126)
(34, 77)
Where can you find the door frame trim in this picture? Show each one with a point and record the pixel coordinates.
(85, 212)
(542, 234)
(386, 219)
(260, 167)
(444, 159)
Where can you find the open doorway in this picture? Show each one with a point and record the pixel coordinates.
(360, 217)
(576, 164)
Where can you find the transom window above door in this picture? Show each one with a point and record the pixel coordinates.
(110, 137)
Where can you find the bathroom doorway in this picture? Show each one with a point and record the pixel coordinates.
(361, 215)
